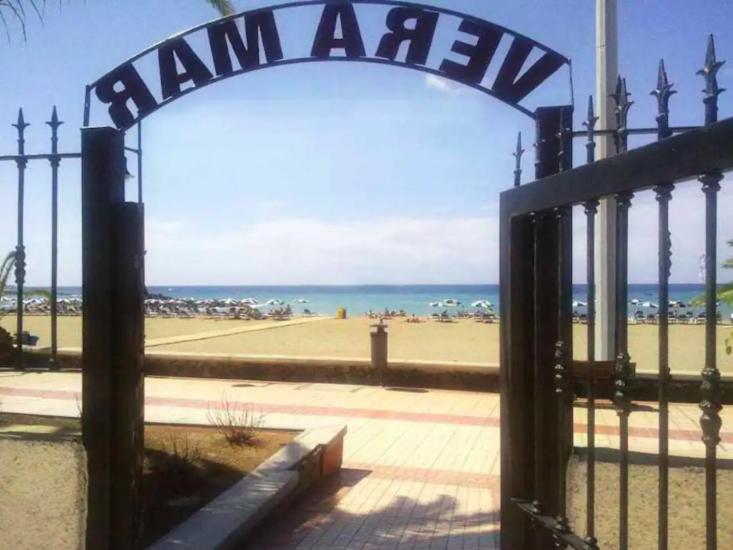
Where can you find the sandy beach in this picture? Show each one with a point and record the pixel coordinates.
(460, 341)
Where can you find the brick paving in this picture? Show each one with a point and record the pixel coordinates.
(421, 468)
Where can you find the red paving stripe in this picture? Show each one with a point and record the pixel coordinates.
(43, 394)
(349, 412)
(298, 410)
(378, 414)
(427, 475)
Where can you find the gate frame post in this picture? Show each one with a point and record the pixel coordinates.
(516, 376)
(527, 344)
(112, 353)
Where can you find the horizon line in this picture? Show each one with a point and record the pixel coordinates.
(254, 285)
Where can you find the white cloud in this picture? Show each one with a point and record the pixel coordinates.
(687, 225)
(282, 249)
(302, 251)
(441, 84)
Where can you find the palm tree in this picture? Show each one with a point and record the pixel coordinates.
(18, 10)
(728, 264)
(224, 7)
(726, 295)
(5, 269)
(725, 292)
(6, 340)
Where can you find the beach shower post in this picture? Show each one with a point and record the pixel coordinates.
(379, 349)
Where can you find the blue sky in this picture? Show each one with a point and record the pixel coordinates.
(339, 173)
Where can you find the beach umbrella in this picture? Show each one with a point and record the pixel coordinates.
(450, 302)
(482, 304)
(649, 305)
(634, 301)
(578, 303)
(436, 304)
(274, 302)
(302, 301)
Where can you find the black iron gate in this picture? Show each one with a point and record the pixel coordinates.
(536, 285)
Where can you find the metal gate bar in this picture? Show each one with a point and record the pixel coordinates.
(54, 123)
(22, 162)
(710, 405)
(663, 192)
(591, 209)
(622, 373)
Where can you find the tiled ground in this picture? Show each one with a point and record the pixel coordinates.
(421, 468)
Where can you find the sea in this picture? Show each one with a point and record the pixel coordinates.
(417, 299)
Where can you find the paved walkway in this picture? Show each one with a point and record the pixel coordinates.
(150, 343)
(421, 468)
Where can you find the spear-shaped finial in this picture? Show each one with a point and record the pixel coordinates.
(621, 98)
(710, 73)
(590, 125)
(518, 161)
(663, 92)
(592, 118)
(21, 125)
(623, 105)
(664, 88)
(54, 123)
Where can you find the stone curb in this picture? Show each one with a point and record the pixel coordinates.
(312, 456)
(684, 386)
(335, 370)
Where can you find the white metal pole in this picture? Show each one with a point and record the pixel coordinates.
(606, 76)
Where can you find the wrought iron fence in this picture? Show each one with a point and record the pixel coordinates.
(21, 159)
(536, 280)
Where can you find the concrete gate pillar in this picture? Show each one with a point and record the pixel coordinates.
(113, 349)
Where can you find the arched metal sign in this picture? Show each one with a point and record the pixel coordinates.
(415, 36)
